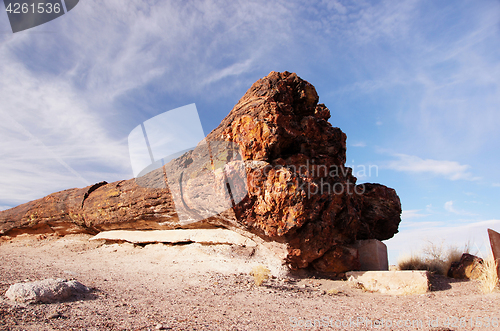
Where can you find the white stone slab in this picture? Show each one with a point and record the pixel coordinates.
(204, 236)
(391, 282)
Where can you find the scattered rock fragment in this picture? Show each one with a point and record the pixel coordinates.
(45, 291)
(469, 267)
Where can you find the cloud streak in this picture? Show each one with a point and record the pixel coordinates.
(448, 206)
(49, 138)
(64, 121)
(448, 169)
(412, 214)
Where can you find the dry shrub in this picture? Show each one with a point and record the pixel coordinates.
(434, 258)
(489, 279)
(454, 255)
(412, 262)
(260, 273)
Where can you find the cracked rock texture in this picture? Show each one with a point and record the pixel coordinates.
(300, 194)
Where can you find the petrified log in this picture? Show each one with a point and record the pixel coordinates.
(380, 212)
(299, 190)
(338, 259)
(300, 193)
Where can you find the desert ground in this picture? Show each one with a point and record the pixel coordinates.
(202, 287)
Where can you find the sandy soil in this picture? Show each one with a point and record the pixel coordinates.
(195, 287)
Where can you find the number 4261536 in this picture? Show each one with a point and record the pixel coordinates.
(24, 8)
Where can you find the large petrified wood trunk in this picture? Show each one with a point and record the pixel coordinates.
(102, 206)
(299, 191)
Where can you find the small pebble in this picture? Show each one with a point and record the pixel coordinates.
(53, 315)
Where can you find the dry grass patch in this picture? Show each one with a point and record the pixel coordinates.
(434, 258)
(417, 262)
(260, 274)
(489, 279)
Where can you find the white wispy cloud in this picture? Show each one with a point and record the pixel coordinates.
(359, 22)
(442, 60)
(413, 164)
(412, 213)
(457, 113)
(231, 70)
(61, 90)
(49, 139)
(358, 144)
(448, 206)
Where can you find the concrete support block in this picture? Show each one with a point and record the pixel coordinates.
(372, 255)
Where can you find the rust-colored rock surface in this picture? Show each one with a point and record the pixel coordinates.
(469, 267)
(495, 247)
(338, 259)
(299, 191)
(59, 212)
(102, 206)
(380, 212)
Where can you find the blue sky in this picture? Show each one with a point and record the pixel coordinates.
(415, 85)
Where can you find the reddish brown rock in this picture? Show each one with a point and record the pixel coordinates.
(495, 247)
(469, 267)
(299, 191)
(103, 206)
(338, 259)
(380, 212)
(59, 212)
